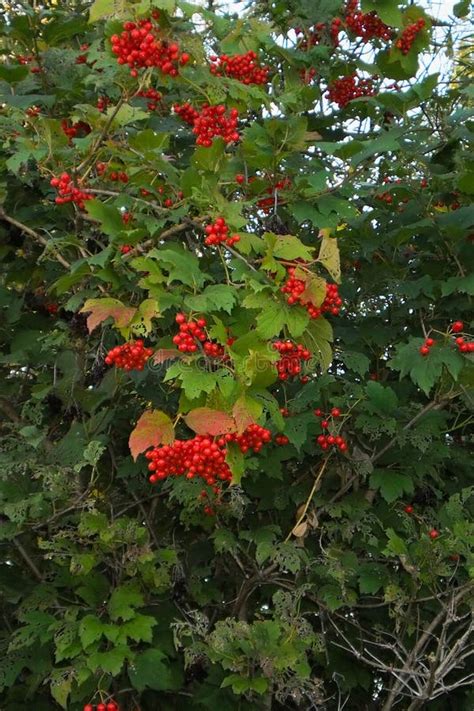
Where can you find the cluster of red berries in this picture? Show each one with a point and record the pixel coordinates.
(126, 248)
(153, 97)
(200, 456)
(192, 334)
(82, 58)
(68, 192)
(408, 36)
(367, 26)
(24, 58)
(463, 345)
(213, 121)
(218, 232)
(253, 438)
(292, 356)
(103, 102)
(295, 288)
(243, 67)
(33, 111)
(203, 456)
(427, 345)
(111, 706)
(127, 217)
(52, 309)
(346, 89)
(114, 175)
(385, 197)
(326, 441)
(318, 33)
(307, 75)
(266, 204)
(73, 130)
(129, 356)
(139, 46)
(281, 440)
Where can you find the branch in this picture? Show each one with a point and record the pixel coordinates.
(35, 235)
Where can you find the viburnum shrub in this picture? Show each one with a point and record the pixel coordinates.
(236, 356)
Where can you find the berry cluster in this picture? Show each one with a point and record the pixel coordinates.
(202, 456)
(103, 102)
(292, 356)
(129, 356)
(367, 26)
(253, 438)
(218, 232)
(346, 89)
(464, 346)
(114, 175)
(212, 121)
(319, 32)
(33, 111)
(139, 46)
(266, 204)
(295, 288)
(425, 348)
(326, 441)
(242, 67)
(68, 192)
(281, 440)
(73, 130)
(111, 706)
(82, 58)
(307, 75)
(153, 97)
(192, 334)
(408, 36)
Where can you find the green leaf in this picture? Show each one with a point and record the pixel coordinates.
(387, 10)
(123, 601)
(110, 662)
(236, 462)
(60, 687)
(100, 9)
(215, 297)
(425, 371)
(110, 217)
(382, 398)
(392, 485)
(395, 545)
(358, 362)
(151, 670)
(372, 577)
(290, 247)
(90, 630)
(140, 629)
(182, 265)
(194, 380)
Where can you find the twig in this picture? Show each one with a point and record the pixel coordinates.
(35, 235)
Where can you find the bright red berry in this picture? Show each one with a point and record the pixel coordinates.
(335, 412)
(409, 509)
(424, 350)
(433, 533)
(457, 327)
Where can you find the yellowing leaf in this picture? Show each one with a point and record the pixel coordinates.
(147, 310)
(102, 309)
(246, 411)
(153, 428)
(329, 255)
(315, 286)
(205, 421)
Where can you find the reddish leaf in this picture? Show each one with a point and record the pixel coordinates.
(153, 428)
(205, 421)
(102, 309)
(164, 354)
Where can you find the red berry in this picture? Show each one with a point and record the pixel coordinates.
(324, 424)
(335, 412)
(433, 533)
(88, 707)
(409, 509)
(101, 707)
(424, 350)
(429, 342)
(457, 327)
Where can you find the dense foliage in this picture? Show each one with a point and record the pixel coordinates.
(236, 369)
